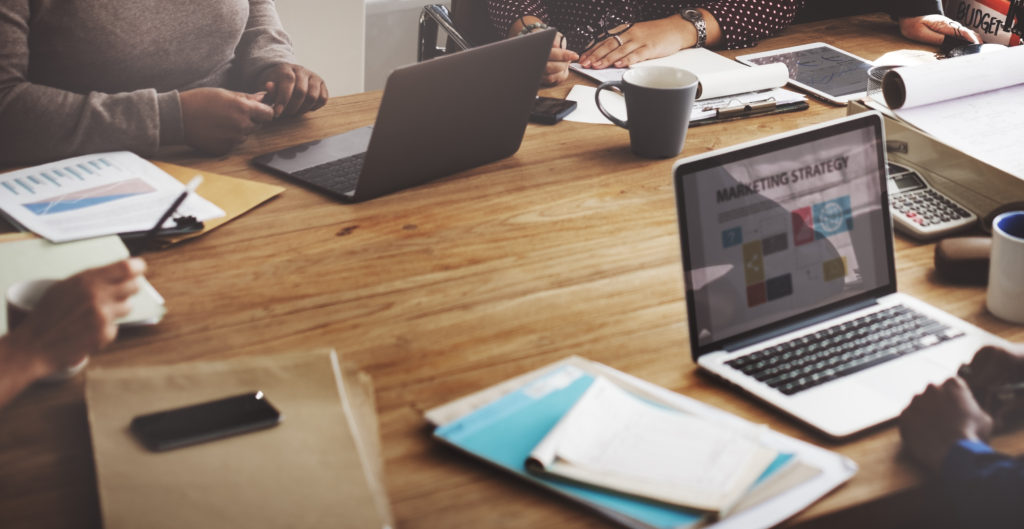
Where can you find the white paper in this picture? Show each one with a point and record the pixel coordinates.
(611, 432)
(601, 76)
(718, 75)
(35, 258)
(986, 126)
(587, 112)
(973, 103)
(951, 79)
(833, 469)
(93, 195)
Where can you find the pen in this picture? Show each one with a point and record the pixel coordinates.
(191, 187)
(755, 107)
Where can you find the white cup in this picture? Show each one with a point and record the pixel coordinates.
(21, 298)
(1005, 297)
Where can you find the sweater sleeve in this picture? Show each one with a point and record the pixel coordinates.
(910, 8)
(744, 22)
(986, 488)
(264, 43)
(40, 123)
(504, 13)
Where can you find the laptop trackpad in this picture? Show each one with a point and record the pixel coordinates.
(900, 380)
(319, 152)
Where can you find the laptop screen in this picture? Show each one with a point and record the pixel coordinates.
(783, 230)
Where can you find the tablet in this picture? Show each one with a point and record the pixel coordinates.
(822, 70)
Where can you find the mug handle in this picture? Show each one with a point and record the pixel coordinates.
(597, 99)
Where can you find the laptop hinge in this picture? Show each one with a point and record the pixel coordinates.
(779, 331)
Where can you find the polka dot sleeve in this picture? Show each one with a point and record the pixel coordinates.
(744, 22)
(504, 13)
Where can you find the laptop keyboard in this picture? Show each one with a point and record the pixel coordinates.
(843, 349)
(339, 176)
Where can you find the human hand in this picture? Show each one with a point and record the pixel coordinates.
(939, 417)
(557, 69)
(292, 89)
(216, 120)
(991, 369)
(931, 29)
(76, 317)
(642, 41)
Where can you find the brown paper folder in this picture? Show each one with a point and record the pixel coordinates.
(234, 195)
(320, 467)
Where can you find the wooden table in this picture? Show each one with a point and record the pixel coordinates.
(568, 247)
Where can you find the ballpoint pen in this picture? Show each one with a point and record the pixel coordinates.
(190, 188)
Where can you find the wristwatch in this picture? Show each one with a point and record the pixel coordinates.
(530, 28)
(697, 19)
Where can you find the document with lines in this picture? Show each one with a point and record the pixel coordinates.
(96, 194)
(973, 103)
(615, 440)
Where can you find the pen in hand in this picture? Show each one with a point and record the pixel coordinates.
(190, 188)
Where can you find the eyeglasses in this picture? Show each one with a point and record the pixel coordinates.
(608, 26)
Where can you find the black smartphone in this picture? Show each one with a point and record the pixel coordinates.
(206, 421)
(551, 110)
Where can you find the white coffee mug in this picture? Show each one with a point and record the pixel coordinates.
(21, 298)
(1005, 297)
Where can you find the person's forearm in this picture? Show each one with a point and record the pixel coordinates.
(714, 30)
(264, 43)
(517, 27)
(744, 22)
(985, 487)
(40, 123)
(17, 370)
(504, 14)
(911, 8)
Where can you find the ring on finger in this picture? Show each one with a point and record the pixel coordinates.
(617, 39)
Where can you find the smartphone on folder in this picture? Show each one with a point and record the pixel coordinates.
(206, 421)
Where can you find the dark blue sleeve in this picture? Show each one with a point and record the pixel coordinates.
(986, 488)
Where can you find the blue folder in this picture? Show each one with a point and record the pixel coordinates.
(505, 431)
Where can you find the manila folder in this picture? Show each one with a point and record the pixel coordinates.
(320, 467)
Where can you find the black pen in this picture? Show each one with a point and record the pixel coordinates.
(191, 187)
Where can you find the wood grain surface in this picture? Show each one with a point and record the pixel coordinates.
(568, 247)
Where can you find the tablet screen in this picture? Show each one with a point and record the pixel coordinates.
(823, 69)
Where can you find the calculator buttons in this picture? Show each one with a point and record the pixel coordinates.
(922, 211)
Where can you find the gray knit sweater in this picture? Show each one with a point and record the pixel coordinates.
(81, 76)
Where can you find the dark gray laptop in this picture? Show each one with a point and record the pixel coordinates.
(436, 118)
(791, 279)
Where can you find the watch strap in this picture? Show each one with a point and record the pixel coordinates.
(697, 19)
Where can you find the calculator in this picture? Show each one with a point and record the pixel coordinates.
(920, 211)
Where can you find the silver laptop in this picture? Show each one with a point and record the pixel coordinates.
(790, 279)
(436, 118)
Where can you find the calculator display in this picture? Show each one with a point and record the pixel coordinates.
(907, 181)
